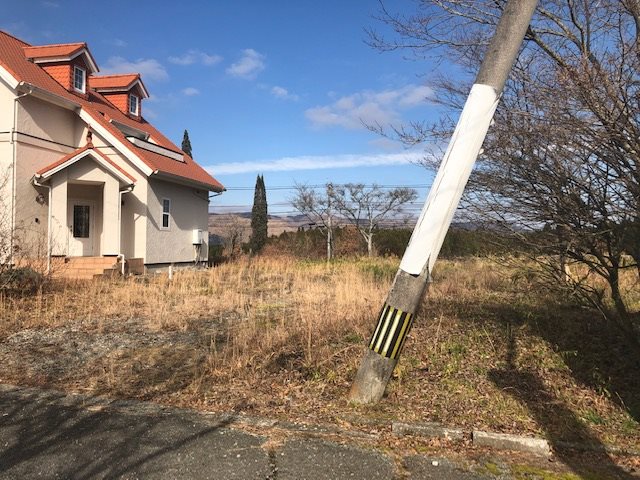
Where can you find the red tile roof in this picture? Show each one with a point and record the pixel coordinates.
(113, 82)
(58, 50)
(79, 151)
(61, 51)
(12, 58)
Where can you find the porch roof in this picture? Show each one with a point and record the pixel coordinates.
(77, 155)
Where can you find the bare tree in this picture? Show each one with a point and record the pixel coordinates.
(6, 228)
(317, 207)
(233, 234)
(563, 158)
(366, 207)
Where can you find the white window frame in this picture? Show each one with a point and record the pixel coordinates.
(137, 103)
(167, 213)
(84, 79)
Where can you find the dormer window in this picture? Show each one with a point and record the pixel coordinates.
(79, 79)
(125, 92)
(134, 105)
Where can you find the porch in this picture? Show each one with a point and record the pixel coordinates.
(85, 209)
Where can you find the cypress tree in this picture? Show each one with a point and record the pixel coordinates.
(186, 144)
(259, 217)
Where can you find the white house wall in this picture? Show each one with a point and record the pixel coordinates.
(45, 133)
(6, 159)
(6, 107)
(32, 202)
(47, 121)
(189, 211)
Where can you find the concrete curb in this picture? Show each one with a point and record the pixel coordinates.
(519, 443)
(429, 430)
(502, 441)
(498, 441)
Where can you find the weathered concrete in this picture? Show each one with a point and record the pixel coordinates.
(429, 430)
(503, 441)
(375, 370)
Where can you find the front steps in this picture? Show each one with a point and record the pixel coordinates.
(85, 268)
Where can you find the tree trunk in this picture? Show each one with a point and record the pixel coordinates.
(616, 295)
(623, 318)
(329, 242)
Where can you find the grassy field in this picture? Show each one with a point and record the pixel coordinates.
(283, 338)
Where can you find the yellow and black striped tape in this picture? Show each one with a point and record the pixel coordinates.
(391, 332)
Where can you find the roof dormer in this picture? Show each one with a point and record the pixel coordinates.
(70, 64)
(125, 92)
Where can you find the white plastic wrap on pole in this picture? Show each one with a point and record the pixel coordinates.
(452, 177)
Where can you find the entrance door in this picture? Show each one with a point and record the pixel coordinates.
(81, 217)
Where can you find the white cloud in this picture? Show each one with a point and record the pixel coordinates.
(250, 64)
(368, 107)
(196, 56)
(149, 68)
(50, 4)
(190, 91)
(118, 42)
(284, 94)
(316, 163)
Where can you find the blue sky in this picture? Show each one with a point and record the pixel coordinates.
(278, 88)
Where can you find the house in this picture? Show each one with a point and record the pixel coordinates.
(83, 173)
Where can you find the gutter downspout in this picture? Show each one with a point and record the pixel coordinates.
(120, 255)
(49, 221)
(13, 170)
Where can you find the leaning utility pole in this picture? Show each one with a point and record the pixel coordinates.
(417, 263)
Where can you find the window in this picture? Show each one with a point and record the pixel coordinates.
(81, 221)
(79, 79)
(166, 212)
(134, 105)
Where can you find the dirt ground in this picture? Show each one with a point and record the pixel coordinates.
(283, 340)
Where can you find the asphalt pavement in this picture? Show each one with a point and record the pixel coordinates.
(50, 435)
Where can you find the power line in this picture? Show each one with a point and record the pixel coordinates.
(295, 187)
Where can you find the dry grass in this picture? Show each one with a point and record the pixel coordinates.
(281, 337)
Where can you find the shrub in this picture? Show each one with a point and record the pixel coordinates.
(22, 279)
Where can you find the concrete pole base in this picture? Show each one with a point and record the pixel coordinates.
(372, 378)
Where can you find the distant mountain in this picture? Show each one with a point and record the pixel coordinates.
(221, 225)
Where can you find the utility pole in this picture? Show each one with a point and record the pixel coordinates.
(410, 283)
(329, 223)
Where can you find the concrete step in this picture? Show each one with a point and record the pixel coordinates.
(85, 268)
(91, 260)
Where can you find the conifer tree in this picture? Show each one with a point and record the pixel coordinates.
(186, 144)
(259, 217)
